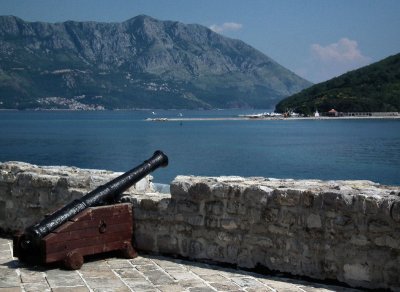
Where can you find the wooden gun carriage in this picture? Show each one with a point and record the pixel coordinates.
(86, 226)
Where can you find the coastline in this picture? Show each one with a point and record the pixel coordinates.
(271, 118)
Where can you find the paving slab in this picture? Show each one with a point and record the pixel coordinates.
(146, 273)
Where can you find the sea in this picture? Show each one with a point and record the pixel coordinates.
(358, 149)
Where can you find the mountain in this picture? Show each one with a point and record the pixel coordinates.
(374, 88)
(139, 63)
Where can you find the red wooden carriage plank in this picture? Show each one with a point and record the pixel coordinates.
(96, 240)
(95, 214)
(84, 233)
(70, 226)
(103, 211)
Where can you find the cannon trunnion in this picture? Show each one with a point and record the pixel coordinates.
(86, 226)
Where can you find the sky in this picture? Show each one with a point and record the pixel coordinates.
(316, 39)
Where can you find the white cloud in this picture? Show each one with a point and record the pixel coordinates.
(345, 50)
(333, 60)
(226, 26)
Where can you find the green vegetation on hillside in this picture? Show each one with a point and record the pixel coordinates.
(374, 88)
(139, 63)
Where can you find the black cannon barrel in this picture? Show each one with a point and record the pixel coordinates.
(97, 197)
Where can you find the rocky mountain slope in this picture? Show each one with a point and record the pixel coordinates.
(139, 63)
(373, 88)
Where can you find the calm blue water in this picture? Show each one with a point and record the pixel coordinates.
(335, 149)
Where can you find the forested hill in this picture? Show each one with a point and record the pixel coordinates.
(374, 88)
(139, 63)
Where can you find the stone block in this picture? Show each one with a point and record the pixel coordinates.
(183, 228)
(58, 278)
(337, 201)
(357, 272)
(258, 229)
(391, 273)
(254, 195)
(229, 224)
(314, 221)
(10, 205)
(214, 208)
(180, 187)
(225, 286)
(222, 190)
(385, 207)
(236, 191)
(258, 255)
(96, 179)
(149, 205)
(183, 243)
(63, 183)
(144, 184)
(74, 193)
(7, 176)
(395, 211)
(186, 206)
(247, 282)
(199, 191)
(44, 181)
(294, 246)
(211, 222)
(342, 220)
(244, 258)
(270, 215)
(235, 206)
(167, 244)
(359, 239)
(287, 218)
(330, 268)
(141, 215)
(5, 192)
(195, 220)
(378, 226)
(287, 197)
(195, 248)
(2, 210)
(371, 204)
(229, 236)
(254, 215)
(144, 241)
(24, 179)
(277, 229)
(232, 251)
(307, 198)
(164, 205)
(307, 253)
(215, 251)
(387, 240)
(258, 240)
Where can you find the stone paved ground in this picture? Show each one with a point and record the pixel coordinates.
(144, 273)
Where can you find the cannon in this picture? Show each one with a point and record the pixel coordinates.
(86, 226)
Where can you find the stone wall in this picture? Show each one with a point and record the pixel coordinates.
(28, 192)
(338, 230)
(347, 231)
